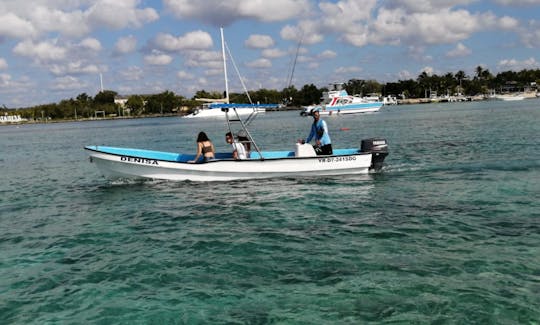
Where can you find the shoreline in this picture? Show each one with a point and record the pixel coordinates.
(409, 101)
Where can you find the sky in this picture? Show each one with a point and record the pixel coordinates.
(52, 50)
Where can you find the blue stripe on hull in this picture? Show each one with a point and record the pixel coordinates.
(179, 157)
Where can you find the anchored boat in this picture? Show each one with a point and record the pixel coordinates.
(213, 107)
(338, 101)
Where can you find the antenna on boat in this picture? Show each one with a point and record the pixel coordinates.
(290, 77)
(295, 59)
(224, 66)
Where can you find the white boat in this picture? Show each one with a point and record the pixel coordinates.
(338, 101)
(213, 108)
(11, 118)
(509, 97)
(128, 163)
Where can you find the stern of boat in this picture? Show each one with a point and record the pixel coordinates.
(378, 147)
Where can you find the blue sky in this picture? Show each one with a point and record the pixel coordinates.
(56, 49)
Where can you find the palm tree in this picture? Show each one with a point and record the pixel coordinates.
(479, 72)
(460, 75)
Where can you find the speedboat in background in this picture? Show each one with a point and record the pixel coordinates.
(338, 101)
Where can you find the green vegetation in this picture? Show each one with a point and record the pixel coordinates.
(84, 106)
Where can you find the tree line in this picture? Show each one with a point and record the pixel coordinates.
(167, 102)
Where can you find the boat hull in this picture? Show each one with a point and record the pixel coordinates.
(351, 109)
(131, 163)
(509, 97)
(344, 109)
(218, 113)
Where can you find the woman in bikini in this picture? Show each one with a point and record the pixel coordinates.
(205, 148)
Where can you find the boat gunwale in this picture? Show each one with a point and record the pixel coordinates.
(359, 153)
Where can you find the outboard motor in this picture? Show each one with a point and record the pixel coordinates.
(379, 150)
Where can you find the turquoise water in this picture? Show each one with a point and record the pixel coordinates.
(448, 232)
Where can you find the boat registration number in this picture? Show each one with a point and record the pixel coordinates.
(139, 160)
(337, 159)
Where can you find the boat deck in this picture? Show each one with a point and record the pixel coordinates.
(180, 157)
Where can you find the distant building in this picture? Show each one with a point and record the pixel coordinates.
(121, 100)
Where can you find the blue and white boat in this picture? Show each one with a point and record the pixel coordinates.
(129, 163)
(338, 101)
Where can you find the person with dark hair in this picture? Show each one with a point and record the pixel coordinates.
(239, 152)
(205, 148)
(319, 131)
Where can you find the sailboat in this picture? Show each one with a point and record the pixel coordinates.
(212, 107)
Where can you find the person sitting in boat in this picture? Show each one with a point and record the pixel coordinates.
(239, 152)
(205, 148)
(319, 131)
(243, 139)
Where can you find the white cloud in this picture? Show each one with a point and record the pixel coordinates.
(3, 64)
(516, 65)
(67, 83)
(515, 3)
(347, 70)
(53, 18)
(223, 13)
(459, 51)
(405, 75)
(196, 40)
(418, 53)
(259, 42)
(44, 51)
(260, 63)
(530, 36)
(327, 54)
(207, 59)
(132, 73)
(307, 32)
(125, 45)
(184, 75)
(74, 68)
(213, 72)
(24, 19)
(349, 19)
(508, 23)
(158, 58)
(273, 53)
(120, 14)
(14, 26)
(397, 25)
(91, 44)
(425, 6)
(5, 80)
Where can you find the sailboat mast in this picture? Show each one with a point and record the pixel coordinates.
(224, 66)
(101, 81)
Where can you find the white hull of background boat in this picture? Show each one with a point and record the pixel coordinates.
(216, 112)
(352, 109)
(509, 97)
(127, 163)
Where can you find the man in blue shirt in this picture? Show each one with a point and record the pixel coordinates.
(319, 130)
